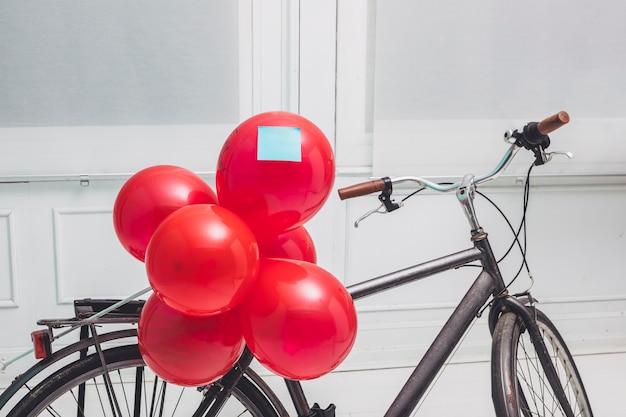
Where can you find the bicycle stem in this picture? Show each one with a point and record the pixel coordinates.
(465, 195)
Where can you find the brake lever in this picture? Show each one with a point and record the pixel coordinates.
(541, 156)
(387, 203)
(380, 210)
(549, 155)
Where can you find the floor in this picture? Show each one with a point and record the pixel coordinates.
(463, 389)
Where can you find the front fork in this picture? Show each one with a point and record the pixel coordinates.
(525, 310)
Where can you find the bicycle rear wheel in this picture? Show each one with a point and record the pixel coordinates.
(519, 383)
(137, 391)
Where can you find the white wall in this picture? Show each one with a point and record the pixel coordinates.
(324, 59)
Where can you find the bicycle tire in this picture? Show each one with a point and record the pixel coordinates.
(57, 394)
(519, 384)
(21, 383)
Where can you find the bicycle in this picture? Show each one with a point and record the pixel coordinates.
(533, 372)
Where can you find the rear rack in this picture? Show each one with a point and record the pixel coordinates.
(88, 313)
(86, 308)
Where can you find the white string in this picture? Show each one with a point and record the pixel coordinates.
(5, 363)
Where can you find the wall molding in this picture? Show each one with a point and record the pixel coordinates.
(88, 257)
(8, 218)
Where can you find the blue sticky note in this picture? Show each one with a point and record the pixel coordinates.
(279, 143)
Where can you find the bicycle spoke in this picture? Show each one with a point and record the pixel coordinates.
(95, 386)
(79, 412)
(153, 398)
(178, 401)
(537, 386)
(123, 389)
(139, 377)
(52, 412)
(528, 380)
(162, 398)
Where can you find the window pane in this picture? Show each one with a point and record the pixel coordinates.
(487, 59)
(145, 62)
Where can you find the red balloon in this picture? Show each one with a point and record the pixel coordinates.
(202, 259)
(275, 170)
(148, 197)
(188, 350)
(298, 320)
(293, 244)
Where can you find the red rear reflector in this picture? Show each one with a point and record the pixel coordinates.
(41, 343)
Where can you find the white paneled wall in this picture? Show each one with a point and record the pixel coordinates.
(59, 184)
(63, 247)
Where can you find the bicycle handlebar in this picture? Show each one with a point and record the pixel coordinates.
(535, 134)
(552, 123)
(360, 189)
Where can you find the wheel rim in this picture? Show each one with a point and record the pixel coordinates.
(157, 398)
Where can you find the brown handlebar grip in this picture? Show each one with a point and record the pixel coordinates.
(552, 123)
(360, 189)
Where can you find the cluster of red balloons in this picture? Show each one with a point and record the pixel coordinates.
(237, 267)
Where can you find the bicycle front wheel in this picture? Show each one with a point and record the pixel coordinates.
(79, 389)
(519, 384)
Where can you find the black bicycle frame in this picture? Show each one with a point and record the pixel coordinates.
(485, 285)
